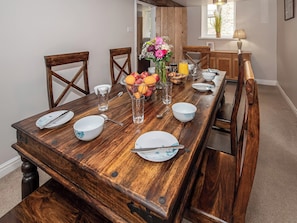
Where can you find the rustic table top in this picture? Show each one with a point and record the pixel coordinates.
(104, 171)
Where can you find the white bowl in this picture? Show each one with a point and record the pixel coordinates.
(184, 111)
(208, 76)
(89, 127)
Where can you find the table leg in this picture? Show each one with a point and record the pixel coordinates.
(30, 181)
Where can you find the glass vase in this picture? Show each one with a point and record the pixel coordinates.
(161, 70)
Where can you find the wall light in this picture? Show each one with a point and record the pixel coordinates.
(239, 34)
(219, 2)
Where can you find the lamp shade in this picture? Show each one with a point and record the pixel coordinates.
(239, 33)
(219, 2)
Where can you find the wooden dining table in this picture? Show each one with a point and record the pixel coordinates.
(120, 184)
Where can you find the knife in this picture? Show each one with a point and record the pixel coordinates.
(55, 119)
(135, 150)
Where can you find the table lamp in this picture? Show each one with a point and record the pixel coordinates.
(239, 34)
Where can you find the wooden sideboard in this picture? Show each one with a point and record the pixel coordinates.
(227, 61)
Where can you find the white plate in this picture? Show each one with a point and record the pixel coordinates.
(155, 139)
(202, 87)
(50, 116)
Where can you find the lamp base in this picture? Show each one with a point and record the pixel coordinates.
(239, 45)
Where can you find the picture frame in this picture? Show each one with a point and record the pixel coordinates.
(288, 9)
(211, 45)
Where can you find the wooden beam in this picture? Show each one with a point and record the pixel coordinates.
(162, 3)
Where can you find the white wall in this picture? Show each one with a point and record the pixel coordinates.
(286, 51)
(259, 19)
(34, 28)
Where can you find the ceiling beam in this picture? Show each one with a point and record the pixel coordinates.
(162, 3)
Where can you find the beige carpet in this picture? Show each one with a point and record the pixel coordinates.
(274, 195)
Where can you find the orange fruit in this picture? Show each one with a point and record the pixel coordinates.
(150, 80)
(142, 88)
(137, 95)
(130, 79)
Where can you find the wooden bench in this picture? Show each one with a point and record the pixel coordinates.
(53, 203)
(225, 181)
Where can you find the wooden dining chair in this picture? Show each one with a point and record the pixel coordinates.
(120, 63)
(227, 115)
(69, 73)
(197, 53)
(224, 183)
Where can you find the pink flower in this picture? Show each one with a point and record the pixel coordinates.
(159, 40)
(160, 54)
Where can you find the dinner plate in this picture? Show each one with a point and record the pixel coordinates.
(202, 87)
(156, 139)
(50, 116)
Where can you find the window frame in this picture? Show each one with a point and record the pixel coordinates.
(204, 24)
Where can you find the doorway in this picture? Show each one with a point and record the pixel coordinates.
(146, 30)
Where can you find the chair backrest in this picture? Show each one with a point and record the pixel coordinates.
(80, 61)
(236, 116)
(248, 147)
(120, 63)
(194, 53)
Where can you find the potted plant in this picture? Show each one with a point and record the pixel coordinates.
(218, 22)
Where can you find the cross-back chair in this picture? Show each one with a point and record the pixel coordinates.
(224, 183)
(200, 53)
(227, 115)
(80, 61)
(120, 63)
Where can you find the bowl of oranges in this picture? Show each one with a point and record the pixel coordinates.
(141, 84)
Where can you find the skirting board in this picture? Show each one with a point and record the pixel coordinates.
(267, 82)
(10, 166)
(290, 103)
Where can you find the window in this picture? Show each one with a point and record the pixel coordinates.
(228, 20)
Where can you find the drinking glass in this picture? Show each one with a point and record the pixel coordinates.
(167, 93)
(138, 109)
(102, 94)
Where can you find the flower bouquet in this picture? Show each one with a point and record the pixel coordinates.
(159, 51)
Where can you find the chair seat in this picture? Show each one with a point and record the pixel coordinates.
(53, 203)
(213, 197)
